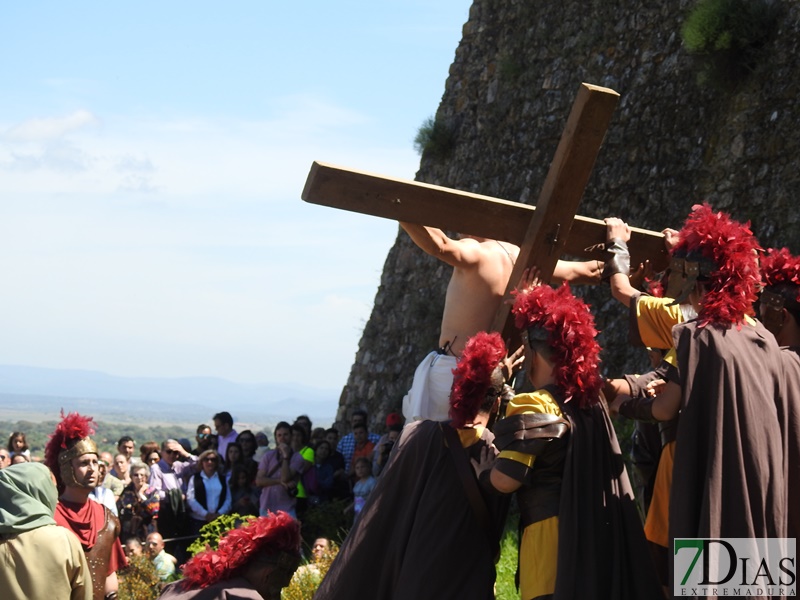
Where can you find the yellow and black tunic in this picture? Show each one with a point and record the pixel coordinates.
(582, 536)
(532, 443)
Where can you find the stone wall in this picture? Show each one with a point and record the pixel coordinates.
(672, 143)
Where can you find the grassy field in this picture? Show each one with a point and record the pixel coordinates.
(505, 587)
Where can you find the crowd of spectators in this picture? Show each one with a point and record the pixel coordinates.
(310, 467)
(164, 493)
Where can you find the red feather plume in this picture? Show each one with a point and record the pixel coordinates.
(779, 268)
(73, 427)
(275, 533)
(472, 377)
(733, 287)
(570, 324)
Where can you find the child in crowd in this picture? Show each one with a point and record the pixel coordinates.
(362, 488)
(233, 457)
(17, 444)
(244, 498)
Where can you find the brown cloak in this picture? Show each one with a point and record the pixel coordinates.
(232, 589)
(602, 552)
(791, 434)
(730, 477)
(417, 536)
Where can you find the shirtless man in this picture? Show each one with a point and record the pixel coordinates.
(481, 270)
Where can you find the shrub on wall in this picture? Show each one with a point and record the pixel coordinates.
(728, 36)
(434, 138)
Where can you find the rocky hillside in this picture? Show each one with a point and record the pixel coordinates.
(672, 143)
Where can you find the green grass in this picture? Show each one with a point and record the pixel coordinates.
(505, 588)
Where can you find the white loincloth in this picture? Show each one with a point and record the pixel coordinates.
(429, 396)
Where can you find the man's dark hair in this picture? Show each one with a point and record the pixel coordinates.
(123, 440)
(224, 417)
(246, 433)
(359, 415)
(201, 427)
(282, 425)
(543, 348)
(302, 431)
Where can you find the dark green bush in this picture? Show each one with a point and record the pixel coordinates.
(435, 139)
(326, 520)
(729, 36)
(510, 69)
(211, 532)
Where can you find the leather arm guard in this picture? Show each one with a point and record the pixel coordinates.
(528, 432)
(526, 436)
(618, 259)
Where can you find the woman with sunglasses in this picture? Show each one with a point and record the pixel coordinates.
(208, 495)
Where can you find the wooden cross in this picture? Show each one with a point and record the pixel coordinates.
(544, 233)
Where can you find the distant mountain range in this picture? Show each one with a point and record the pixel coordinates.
(38, 391)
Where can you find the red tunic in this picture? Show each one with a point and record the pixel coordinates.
(85, 521)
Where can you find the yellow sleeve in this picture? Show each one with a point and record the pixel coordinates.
(540, 401)
(655, 319)
(671, 357)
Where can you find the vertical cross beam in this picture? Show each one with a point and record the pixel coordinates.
(562, 190)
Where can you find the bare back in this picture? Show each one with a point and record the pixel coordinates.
(481, 270)
(475, 292)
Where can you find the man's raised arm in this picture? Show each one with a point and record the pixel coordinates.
(456, 253)
(585, 272)
(618, 234)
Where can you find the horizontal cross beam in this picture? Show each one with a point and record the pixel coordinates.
(462, 212)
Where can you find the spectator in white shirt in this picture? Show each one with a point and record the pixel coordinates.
(208, 495)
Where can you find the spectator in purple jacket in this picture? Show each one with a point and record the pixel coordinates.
(278, 472)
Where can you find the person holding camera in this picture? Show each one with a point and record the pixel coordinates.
(394, 426)
(277, 474)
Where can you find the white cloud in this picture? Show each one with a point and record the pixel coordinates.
(134, 164)
(182, 247)
(49, 128)
(59, 155)
(138, 184)
(190, 158)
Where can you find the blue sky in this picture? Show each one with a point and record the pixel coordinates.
(152, 156)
